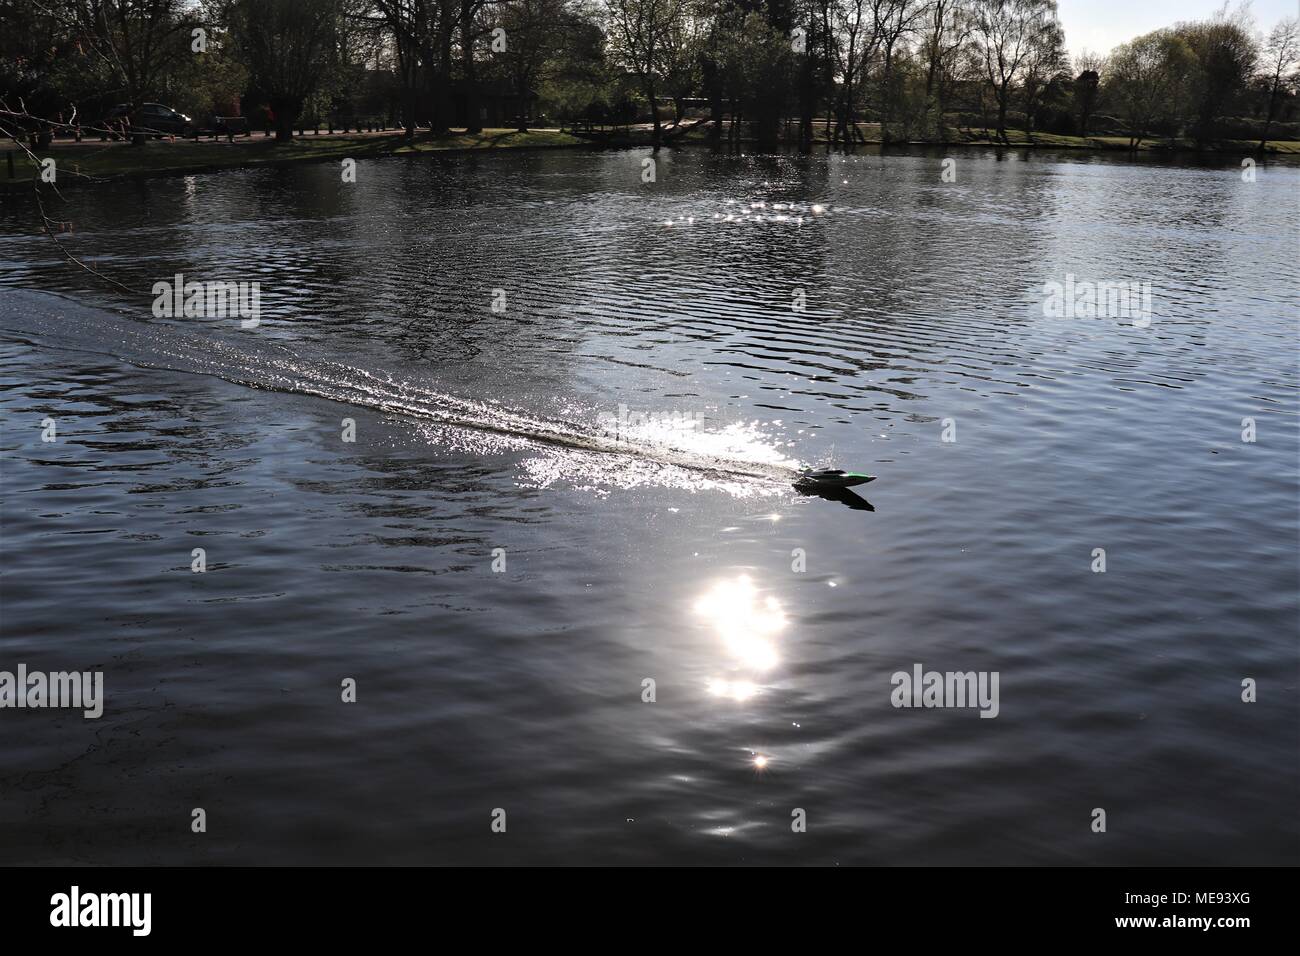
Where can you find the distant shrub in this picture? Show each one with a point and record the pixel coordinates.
(1059, 121)
(1240, 127)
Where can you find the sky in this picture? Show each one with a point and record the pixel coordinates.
(1101, 24)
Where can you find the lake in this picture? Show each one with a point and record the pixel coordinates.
(510, 452)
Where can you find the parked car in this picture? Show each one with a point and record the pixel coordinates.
(152, 119)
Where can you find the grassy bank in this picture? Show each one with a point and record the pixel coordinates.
(89, 162)
(870, 135)
(1019, 138)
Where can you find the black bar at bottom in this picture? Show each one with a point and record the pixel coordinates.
(214, 905)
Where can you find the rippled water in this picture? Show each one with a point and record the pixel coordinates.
(626, 430)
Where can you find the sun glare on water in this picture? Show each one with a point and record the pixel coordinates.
(747, 623)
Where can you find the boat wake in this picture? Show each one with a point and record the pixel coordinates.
(737, 458)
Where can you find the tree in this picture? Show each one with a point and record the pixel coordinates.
(1281, 55)
(1045, 61)
(908, 64)
(532, 35)
(1009, 32)
(945, 31)
(287, 46)
(751, 59)
(811, 62)
(637, 35)
(137, 41)
(855, 35)
(679, 58)
(416, 27)
(1148, 79)
(472, 27)
(577, 83)
(719, 20)
(1225, 57)
(897, 20)
(46, 71)
(1088, 69)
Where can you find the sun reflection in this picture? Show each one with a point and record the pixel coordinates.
(739, 690)
(747, 624)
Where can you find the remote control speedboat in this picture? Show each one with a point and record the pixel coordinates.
(830, 479)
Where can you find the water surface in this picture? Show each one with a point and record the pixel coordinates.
(662, 550)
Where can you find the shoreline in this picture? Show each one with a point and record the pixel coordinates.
(91, 164)
(99, 163)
